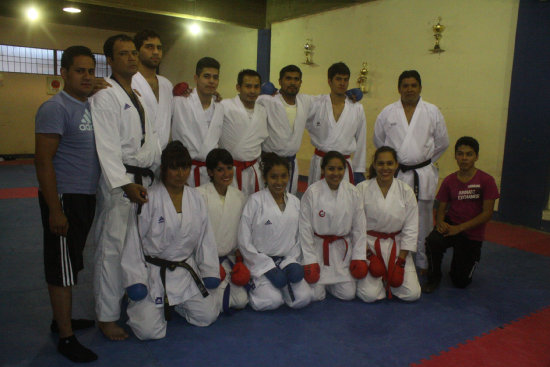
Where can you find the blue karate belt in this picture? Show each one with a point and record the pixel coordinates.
(405, 168)
(172, 265)
(227, 290)
(278, 260)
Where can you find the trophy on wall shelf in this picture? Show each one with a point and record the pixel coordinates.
(438, 34)
(308, 51)
(362, 79)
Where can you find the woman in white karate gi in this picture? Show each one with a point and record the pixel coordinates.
(170, 256)
(333, 232)
(268, 240)
(225, 205)
(392, 231)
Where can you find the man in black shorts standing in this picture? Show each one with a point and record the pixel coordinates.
(68, 170)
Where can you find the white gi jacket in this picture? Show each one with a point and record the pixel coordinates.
(243, 137)
(398, 211)
(425, 138)
(118, 132)
(160, 112)
(224, 216)
(165, 234)
(189, 125)
(348, 135)
(283, 139)
(338, 213)
(265, 231)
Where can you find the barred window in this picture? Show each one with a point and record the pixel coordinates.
(30, 60)
(101, 67)
(15, 59)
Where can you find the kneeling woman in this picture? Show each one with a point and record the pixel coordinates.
(332, 232)
(268, 241)
(170, 256)
(225, 205)
(392, 231)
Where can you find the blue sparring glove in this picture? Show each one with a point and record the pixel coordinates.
(358, 177)
(211, 282)
(137, 292)
(277, 277)
(355, 92)
(268, 88)
(294, 272)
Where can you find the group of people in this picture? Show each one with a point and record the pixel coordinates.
(196, 210)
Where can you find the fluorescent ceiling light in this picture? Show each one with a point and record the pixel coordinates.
(32, 13)
(195, 29)
(71, 9)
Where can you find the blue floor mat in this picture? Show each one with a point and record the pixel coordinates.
(509, 284)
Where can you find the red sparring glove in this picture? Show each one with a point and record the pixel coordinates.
(240, 275)
(181, 90)
(222, 273)
(312, 273)
(376, 266)
(358, 268)
(396, 278)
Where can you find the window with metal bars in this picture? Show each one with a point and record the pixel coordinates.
(30, 60)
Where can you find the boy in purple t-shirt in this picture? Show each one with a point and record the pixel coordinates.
(466, 202)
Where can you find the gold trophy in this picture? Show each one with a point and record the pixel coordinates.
(362, 80)
(438, 34)
(308, 50)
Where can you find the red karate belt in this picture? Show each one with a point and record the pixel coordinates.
(242, 165)
(327, 240)
(391, 262)
(321, 154)
(197, 171)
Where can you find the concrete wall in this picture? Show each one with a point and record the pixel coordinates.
(233, 46)
(22, 94)
(470, 82)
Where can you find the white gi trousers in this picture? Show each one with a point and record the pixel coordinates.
(238, 297)
(343, 290)
(112, 222)
(266, 297)
(425, 226)
(147, 321)
(370, 289)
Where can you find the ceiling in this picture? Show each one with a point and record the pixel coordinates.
(163, 15)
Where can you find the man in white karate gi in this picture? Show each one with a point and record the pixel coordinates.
(417, 131)
(287, 112)
(337, 123)
(197, 120)
(244, 131)
(155, 90)
(128, 151)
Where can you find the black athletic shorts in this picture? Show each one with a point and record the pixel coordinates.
(63, 255)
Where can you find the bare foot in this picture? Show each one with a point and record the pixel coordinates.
(112, 331)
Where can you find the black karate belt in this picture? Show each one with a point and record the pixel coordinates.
(172, 265)
(278, 260)
(138, 173)
(227, 290)
(292, 161)
(405, 168)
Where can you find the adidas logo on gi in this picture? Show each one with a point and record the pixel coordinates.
(268, 222)
(126, 106)
(161, 219)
